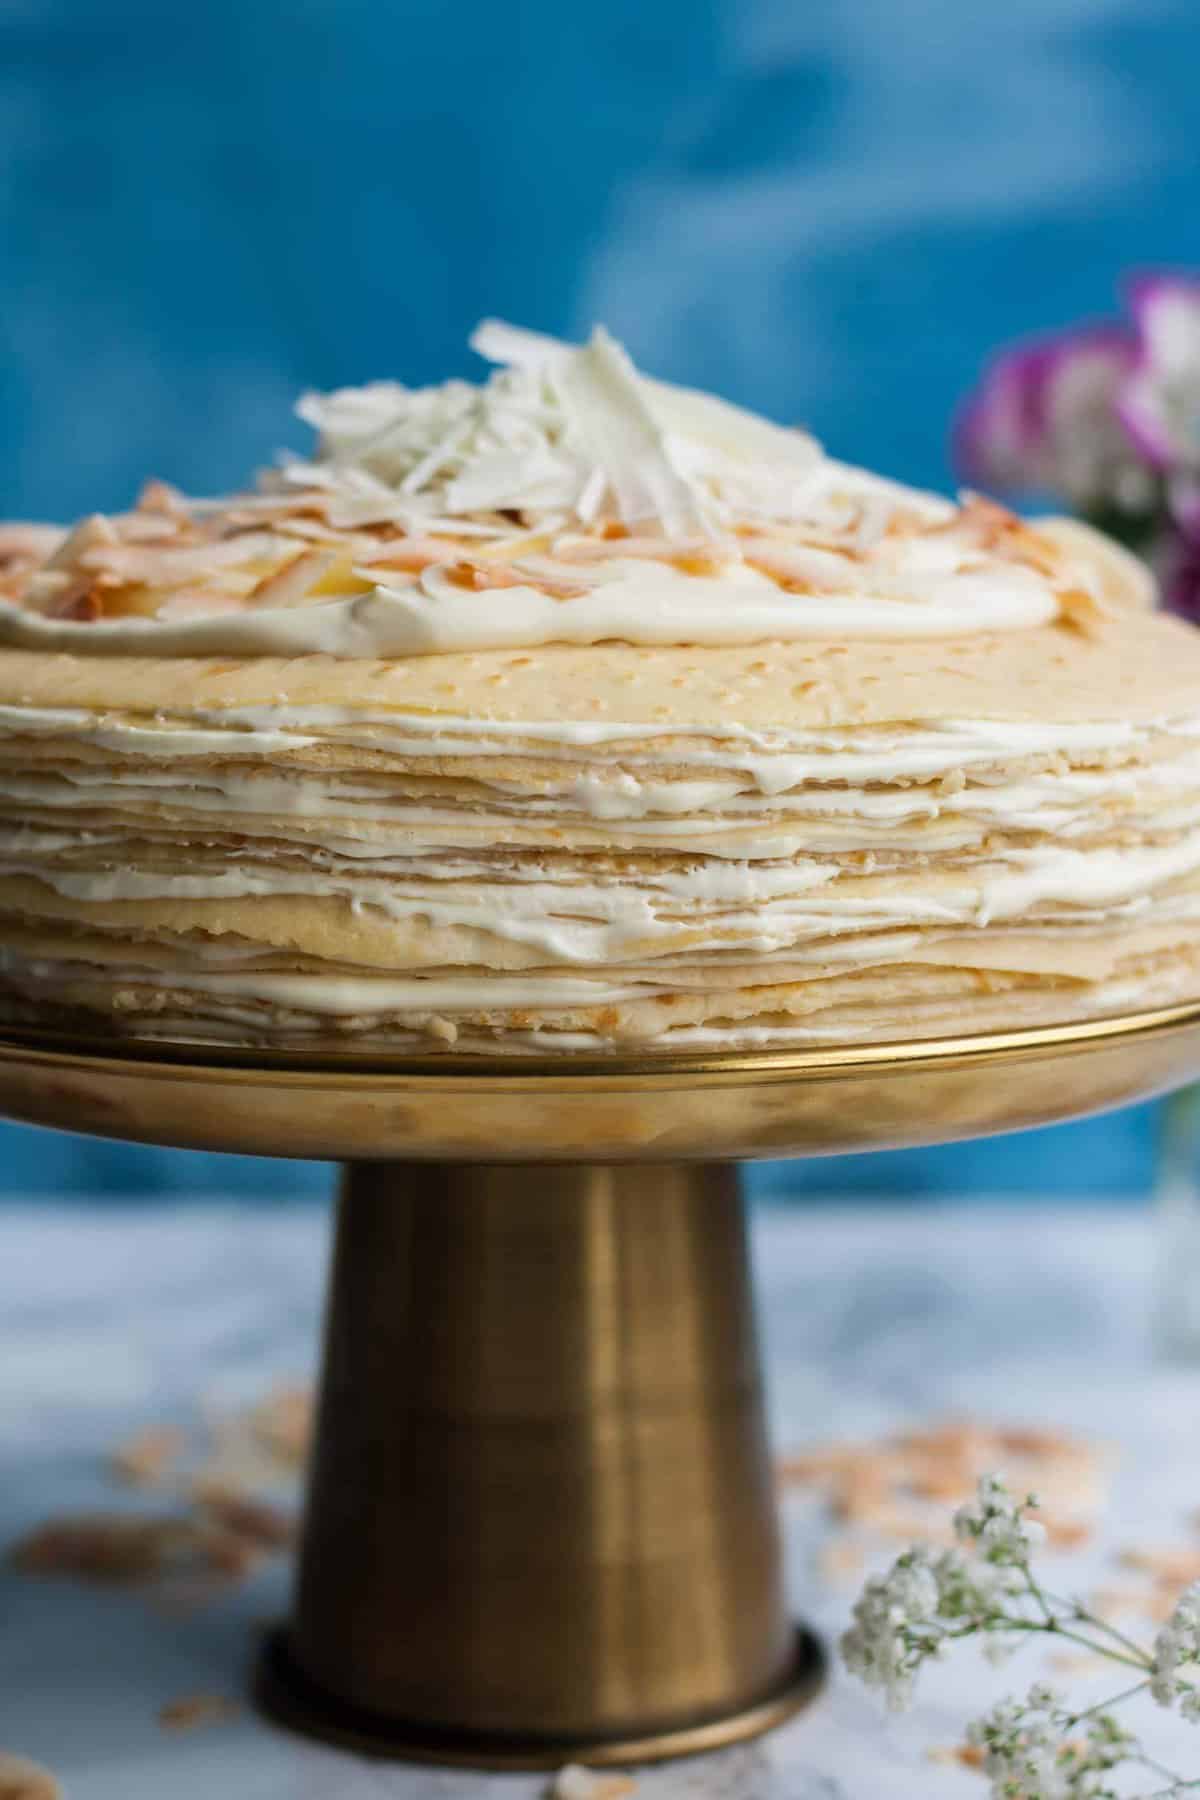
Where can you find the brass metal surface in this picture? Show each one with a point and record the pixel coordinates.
(541, 1509)
(286, 1695)
(736, 1104)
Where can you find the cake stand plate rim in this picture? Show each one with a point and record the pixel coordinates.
(646, 1067)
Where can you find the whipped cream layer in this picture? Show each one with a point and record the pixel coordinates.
(292, 871)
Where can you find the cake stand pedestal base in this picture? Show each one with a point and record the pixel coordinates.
(541, 1522)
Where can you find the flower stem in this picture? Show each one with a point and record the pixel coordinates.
(1077, 1611)
(1053, 1627)
(1035, 1589)
(1101, 1706)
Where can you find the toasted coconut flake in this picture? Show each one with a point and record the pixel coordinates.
(1081, 610)
(82, 601)
(413, 553)
(21, 1779)
(827, 1462)
(170, 566)
(291, 584)
(577, 1783)
(1176, 1567)
(28, 543)
(841, 1559)
(1153, 1603)
(881, 1489)
(571, 548)
(121, 1548)
(1066, 1534)
(148, 1457)
(985, 520)
(193, 1711)
(804, 568)
(160, 497)
(1078, 1662)
(480, 576)
(94, 532)
(258, 1524)
(964, 1756)
(283, 1424)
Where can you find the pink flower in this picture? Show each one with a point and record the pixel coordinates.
(1159, 401)
(1045, 419)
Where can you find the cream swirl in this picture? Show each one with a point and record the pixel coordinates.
(638, 603)
(567, 501)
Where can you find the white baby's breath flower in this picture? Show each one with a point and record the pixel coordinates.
(997, 1525)
(902, 1619)
(895, 1628)
(1036, 1749)
(1021, 1742)
(1177, 1646)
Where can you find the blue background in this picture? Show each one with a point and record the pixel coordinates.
(828, 209)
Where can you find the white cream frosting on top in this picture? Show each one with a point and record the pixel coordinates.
(567, 500)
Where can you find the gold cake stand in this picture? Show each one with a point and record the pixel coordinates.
(541, 1523)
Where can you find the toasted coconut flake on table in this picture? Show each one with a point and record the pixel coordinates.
(122, 1548)
(254, 1522)
(193, 1711)
(577, 1783)
(841, 1559)
(226, 1520)
(252, 1449)
(898, 1488)
(148, 1457)
(1155, 1602)
(21, 1779)
(1173, 1567)
(965, 1756)
(283, 1423)
(1077, 1662)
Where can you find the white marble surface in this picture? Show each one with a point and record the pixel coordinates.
(874, 1317)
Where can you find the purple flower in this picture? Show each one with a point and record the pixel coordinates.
(1106, 419)
(1159, 402)
(1045, 419)
(1183, 501)
(1176, 562)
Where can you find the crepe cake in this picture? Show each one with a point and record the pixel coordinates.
(575, 712)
